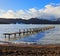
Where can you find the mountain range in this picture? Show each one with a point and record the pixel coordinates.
(30, 21)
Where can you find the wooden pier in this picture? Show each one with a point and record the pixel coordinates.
(26, 31)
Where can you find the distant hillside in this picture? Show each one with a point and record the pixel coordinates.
(30, 21)
(9, 21)
(38, 21)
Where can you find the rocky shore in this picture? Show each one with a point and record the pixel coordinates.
(29, 50)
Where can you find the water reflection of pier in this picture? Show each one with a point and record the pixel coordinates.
(26, 32)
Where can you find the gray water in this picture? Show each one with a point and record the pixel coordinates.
(51, 36)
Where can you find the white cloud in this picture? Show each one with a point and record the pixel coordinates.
(52, 10)
(47, 12)
(8, 14)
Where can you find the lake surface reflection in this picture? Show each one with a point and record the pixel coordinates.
(51, 36)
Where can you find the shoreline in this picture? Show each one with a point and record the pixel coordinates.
(29, 50)
(29, 45)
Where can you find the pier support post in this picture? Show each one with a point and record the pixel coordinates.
(14, 35)
(19, 32)
(23, 31)
(5, 36)
(9, 36)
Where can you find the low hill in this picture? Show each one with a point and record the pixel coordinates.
(30, 21)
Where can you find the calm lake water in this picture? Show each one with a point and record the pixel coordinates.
(51, 36)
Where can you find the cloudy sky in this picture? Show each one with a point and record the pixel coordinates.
(27, 9)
